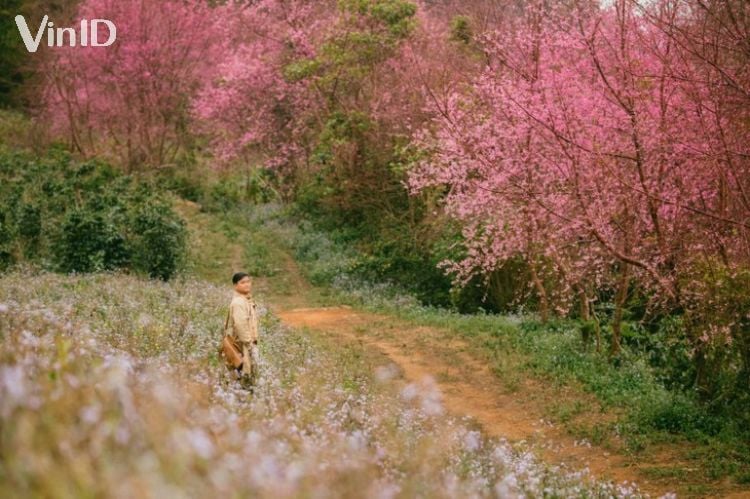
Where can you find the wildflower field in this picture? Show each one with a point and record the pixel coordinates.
(110, 386)
(500, 248)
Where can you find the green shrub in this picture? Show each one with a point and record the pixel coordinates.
(88, 243)
(223, 195)
(6, 238)
(158, 243)
(84, 216)
(678, 413)
(185, 184)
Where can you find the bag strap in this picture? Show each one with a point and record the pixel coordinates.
(226, 322)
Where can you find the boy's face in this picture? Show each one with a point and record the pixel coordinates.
(243, 285)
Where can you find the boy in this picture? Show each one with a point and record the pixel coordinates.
(243, 323)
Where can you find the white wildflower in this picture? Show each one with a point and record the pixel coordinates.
(200, 442)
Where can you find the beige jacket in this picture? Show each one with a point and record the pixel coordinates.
(243, 318)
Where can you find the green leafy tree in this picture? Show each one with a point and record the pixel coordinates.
(12, 52)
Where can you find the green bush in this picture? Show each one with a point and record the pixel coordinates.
(85, 216)
(6, 239)
(89, 243)
(223, 195)
(158, 243)
(677, 413)
(185, 183)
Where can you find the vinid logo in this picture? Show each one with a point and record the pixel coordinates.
(57, 37)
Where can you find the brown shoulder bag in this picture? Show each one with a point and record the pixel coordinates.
(229, 348)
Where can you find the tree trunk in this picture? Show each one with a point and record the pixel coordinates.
(621, 297)
(543, 300)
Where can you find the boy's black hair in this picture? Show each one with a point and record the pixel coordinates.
(238, 277)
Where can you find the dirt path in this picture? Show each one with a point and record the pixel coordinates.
(468, 387)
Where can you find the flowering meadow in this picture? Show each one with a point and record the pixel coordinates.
(565, 183)
(110, 386)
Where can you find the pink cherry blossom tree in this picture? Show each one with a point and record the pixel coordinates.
(129, 101)
(253, 105)
(592, 145)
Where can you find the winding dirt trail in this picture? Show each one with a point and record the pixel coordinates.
(468, 386)
(509, 409)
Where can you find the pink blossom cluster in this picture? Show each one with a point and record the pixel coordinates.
(601, 145)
